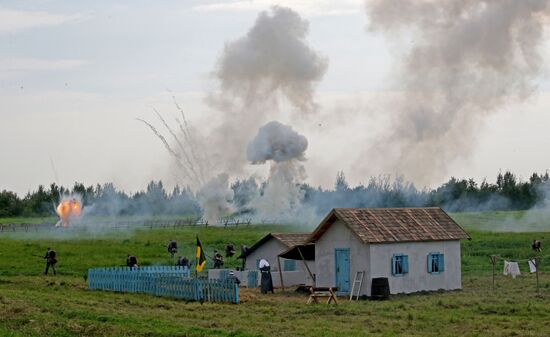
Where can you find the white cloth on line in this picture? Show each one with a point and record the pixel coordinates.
(532, 266)
(263, 263)
(511, 268)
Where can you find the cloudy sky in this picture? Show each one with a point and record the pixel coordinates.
(74, 76)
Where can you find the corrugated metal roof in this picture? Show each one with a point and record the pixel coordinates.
(377, 225)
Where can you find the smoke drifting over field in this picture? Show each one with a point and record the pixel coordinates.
(461, 60)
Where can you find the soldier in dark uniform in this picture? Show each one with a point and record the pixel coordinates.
(131, 261)
(229, 250)
(51, 261)
(218, 260)
(172, 248)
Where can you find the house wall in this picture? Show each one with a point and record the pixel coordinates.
(418, 278)
(338, 236)
(375, 260)
(268, 251)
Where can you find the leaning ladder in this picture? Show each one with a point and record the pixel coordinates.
(357, 282)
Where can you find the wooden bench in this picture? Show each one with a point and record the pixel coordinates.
(322, 292)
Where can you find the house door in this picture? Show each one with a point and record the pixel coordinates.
(342, 269)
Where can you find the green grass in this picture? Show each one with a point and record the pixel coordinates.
(35, 305)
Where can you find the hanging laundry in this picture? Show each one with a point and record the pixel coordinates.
(511, 268)
(532, 266)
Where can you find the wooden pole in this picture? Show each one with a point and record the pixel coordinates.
(493, 262)
(537, 273)
(309, 271)
(280, 272)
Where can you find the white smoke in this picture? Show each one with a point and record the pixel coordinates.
(462, 60)
(285, 149)
(277, 142)
(215, 197)
(269, 70)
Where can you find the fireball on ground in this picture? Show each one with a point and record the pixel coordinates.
(68, 210)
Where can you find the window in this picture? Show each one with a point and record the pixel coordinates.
(258, 263)
(436, 263)
(290, 265)
(399, 265)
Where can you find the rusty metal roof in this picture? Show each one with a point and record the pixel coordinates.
(287, 239)
(377, 225)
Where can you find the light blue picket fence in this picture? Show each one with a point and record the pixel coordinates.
(163, 281)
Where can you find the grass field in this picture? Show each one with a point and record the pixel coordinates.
(35, 305)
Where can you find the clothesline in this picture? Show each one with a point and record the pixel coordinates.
(538, 257)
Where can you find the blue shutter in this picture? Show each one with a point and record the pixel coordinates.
(441, 263)
(393, 271)
(258, 263)
(430, 256)
(405, 263)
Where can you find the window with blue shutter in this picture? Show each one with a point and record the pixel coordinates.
(399, 264)
(436, 263)
(289, 265)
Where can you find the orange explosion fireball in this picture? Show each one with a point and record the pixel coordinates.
(68, 210)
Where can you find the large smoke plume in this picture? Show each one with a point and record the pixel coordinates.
(269, 68)
(462, 60)
(285, 149)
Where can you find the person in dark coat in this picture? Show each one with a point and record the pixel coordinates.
(218, 260)
(229, 250)
(183, 262)
(267, 281)
(536, 246)
(234, 278)
(131, 261)
(172, 248)
(51, 261)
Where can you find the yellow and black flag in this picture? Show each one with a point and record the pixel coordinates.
(201, 259)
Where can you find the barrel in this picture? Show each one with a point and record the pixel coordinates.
(380, 289)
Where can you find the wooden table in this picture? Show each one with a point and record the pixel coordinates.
(322, 292)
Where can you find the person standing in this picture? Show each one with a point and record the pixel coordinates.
(267, 281)
(51, 261)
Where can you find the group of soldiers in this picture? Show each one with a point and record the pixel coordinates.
(172, 247)
(182, 261)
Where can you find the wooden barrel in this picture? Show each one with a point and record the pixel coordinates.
(380, 289)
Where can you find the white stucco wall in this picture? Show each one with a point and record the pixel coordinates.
(418, 278)
(268, 251)
(338, 236)
(375, 260)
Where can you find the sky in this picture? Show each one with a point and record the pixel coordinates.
(75, 75)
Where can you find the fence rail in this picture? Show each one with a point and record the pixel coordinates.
(165, 281)
(121, 224)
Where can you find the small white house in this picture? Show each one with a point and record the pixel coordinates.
(269, 248)
(417, 249)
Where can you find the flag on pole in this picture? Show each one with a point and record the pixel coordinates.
(201, 259)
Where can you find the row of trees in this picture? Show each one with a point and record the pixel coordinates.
(507, 193)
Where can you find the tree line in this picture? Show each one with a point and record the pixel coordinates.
(507, 193)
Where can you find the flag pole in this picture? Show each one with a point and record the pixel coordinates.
(196, 257)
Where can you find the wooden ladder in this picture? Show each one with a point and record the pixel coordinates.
(357, 281)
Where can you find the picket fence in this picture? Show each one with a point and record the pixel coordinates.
(165, 281)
